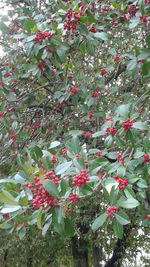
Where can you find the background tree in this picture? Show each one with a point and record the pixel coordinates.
(74, 114)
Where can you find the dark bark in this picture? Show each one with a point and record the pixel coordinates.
(29, 257)
(80, 252)
(119, 250)
(5, 258)
(97, 256)
(29, 253)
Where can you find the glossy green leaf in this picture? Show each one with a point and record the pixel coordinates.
(51, 188)
(99, 221)
(62, 168)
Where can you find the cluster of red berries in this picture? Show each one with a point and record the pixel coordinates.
(119, 157)
(95, 94)
(111, 211)
(64, 151)
(80, 178)
(127, 124)
(146, 158)
(147, 217)
(40, 36)
(100, 153)
(6, 216)
(72, 19)
(41, 65)
(78, 156)
(108, 119)
(147, 1)
(73, 198)
(1, 114)
(74, 90)
(111, 130)
(87, 134)
(53, 158)
(132, 10)
(103, 72)
(53, 176)
(1, 84)
(40, 196)
(116, 57)
(6, 74)
(93, 29)
(122, 182)
(91, 115)
(144, 18)
(13, 135)
(36, 124)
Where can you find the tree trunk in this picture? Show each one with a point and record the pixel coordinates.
(97, 256)
(29, 252)
(119, 250)
(80, 252)
(5, 258)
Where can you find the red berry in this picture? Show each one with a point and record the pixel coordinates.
(122, 182)
(146, 158)
(116, 57)
(103, 72)
(127, 124)
(1, 114)
(74, 90)
(64, 151)
(111, 211)
(73, 198)
(111, 130)
(80, 178)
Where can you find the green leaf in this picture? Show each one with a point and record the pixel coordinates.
(128, 203)
(121, 171)
(121, 219)
(86, 189)
(62, 52)
(148, 40)
(7, 198)
(23, 201)
(69, 230)
(60, 214)
(99, 221)
(10, 209)
(138, 154)
(39, 219)
(101, 35)
(97, 134)
(46, 227)
(134, 22)
(142, 183)
(112, 155)
(90, 17)
(74, 145)
(113, 195)
(8, 181)
(132, 64)
(140, 125)
(29, 24)
(50, 187)
(118, 228)
(60, 169)
(123, 110)
(75, 133)
(63, 186)
(3, 27)
(108, 141)
(54, 144)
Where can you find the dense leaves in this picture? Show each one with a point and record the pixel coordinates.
(74, 114)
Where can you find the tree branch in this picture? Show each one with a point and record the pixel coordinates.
(120, 247)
